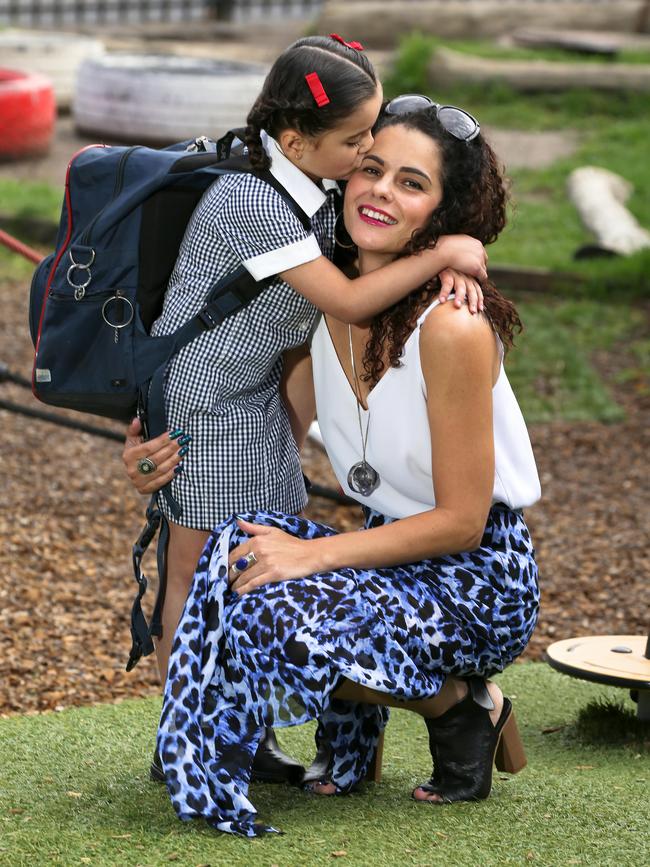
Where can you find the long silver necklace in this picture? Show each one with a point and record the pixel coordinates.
(362, 478)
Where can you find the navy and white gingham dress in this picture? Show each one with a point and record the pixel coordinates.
(223, 387)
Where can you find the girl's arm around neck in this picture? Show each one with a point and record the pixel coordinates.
(356, 300)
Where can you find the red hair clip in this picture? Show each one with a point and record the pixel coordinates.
(317, 89)
(356, 45)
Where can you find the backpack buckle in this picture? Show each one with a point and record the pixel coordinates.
(208, 320)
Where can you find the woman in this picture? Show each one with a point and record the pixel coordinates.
(440, 589)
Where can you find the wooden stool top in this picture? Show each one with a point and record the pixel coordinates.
(617, 660)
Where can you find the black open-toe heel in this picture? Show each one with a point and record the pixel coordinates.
(465, 744)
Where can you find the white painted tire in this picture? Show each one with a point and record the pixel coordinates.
(146, 98)
(55, 55)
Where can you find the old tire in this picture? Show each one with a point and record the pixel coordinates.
(146, 98)
(27, 114)
(55, 55)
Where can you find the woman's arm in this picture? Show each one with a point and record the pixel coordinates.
(458, 354)
(358, 299)
(297, 390)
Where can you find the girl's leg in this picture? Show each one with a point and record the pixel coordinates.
(183, 552)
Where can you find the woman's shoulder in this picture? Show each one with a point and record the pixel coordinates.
(455, 342)
(448, 326)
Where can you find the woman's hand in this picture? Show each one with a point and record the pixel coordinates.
(465, 289)
(279, 556)
(166, 452)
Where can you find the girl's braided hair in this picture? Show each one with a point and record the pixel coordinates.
(473, 203)
(286, 101)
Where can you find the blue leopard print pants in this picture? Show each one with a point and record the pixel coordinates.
(276, 655)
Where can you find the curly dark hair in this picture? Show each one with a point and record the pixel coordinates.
(286, 101)
(473, 203)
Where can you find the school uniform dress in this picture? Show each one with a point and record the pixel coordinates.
(276, 655)
(223, 387)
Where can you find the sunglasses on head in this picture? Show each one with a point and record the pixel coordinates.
(456, 121)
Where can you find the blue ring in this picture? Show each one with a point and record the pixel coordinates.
(242, 564)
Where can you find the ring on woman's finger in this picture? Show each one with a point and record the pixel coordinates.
(242, 563)
(146, 466)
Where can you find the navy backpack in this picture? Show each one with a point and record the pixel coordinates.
(94, 299)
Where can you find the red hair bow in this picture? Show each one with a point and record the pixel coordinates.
(317, 90)
(356, 45)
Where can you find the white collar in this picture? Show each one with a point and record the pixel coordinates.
(300, 187)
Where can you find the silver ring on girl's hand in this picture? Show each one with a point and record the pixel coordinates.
(242, 563)
(146, 466)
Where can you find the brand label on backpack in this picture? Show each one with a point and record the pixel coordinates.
(43, 375)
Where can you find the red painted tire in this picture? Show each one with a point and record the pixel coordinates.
(27, 114)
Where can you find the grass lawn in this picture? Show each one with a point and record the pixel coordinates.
(75, 791)
(550, 366)
(30, 199)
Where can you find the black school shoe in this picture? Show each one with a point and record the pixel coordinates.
(270, 765)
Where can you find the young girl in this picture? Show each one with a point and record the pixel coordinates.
(312, 120)
(440, 589)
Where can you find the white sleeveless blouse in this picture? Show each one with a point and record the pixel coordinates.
(399, 438)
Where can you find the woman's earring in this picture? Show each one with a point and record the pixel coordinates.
(349, 246)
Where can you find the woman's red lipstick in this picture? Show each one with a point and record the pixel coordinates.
(371, 220)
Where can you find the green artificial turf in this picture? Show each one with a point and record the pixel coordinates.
(74, 790)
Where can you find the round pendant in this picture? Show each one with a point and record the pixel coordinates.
(363, 479)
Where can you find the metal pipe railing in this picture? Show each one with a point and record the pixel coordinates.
(17, 246)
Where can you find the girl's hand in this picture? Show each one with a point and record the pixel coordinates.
(166, 451)
(279, 556)
(464, 287)
(461, 253)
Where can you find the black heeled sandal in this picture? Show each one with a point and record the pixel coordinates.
(465, 745)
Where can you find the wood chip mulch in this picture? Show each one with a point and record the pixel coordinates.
(68, 519)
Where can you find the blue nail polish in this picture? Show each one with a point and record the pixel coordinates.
(175, 434)
(178, 469)
(184, 451)
(185, 440)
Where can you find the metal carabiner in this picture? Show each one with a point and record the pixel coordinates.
(79, 288)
